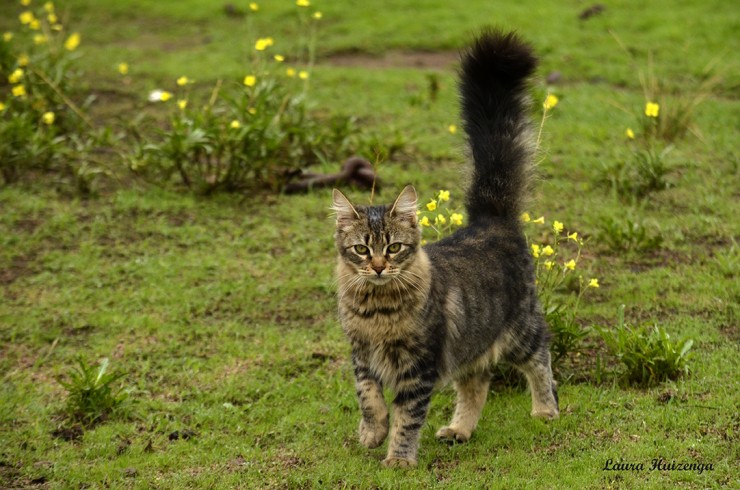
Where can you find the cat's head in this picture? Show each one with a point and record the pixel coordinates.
(377, 242)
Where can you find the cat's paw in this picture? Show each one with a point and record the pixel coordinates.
(372, 435)
(453, 434)
(551, 414)
(395, 462)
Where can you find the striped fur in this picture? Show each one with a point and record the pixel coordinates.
(418, 317)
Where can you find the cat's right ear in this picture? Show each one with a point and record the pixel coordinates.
(346, 212)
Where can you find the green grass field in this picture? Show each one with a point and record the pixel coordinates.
(222, 311)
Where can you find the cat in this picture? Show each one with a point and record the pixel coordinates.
(418, 317)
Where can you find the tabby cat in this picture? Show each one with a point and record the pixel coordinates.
(419, 317)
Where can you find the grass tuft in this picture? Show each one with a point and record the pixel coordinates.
(92, 395)
(647, 353)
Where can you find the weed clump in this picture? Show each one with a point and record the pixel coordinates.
(255, 133)
(41, 128)
(647, 353)
(556, 258)
(629, 234)
(92, 393)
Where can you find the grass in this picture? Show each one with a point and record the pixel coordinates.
(222, 312)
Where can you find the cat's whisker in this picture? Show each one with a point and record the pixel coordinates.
(394, 281)
(353, 282)
(410, 272)
(410, 282)
(339, 279)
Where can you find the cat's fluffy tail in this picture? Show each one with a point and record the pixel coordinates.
(493, 89)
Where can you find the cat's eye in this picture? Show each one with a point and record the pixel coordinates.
(361, 249)
(394, 248)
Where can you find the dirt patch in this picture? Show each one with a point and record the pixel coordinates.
(434, 60)
(69, 433)
(654, 259)
(20, 266)
(28, 225)
(732, 332)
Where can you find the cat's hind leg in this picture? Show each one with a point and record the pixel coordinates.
(471, 396)
(541, 383)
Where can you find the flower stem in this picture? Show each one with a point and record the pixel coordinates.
(66, 99)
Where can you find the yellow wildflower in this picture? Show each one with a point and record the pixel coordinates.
(26, 17)
(253, 6)
(48, 118)
(539, 221)
(303, 75)
(571, 264)
(52, 18)
(2, 107)
(652, 109)
(317, 15)
(423, 242)
(525, 217)
(235, 124)
(182, 104)
(440, 219)
(252, 111)
(303, 3)
(573, 236)
(432, 205)
(456, 219)
(290, 72)
(16, 76)
(263, 43)
(72, 41)
(19, 91)
(444, 195)
(34, 25)
(165, 96)
(250, 80)
(123, 68)
(7, 36)
(452, 129)
(629, 133)
(39, 39)
(547, 250)
(49, 7)
(279, 58)
(424, 221)
(593, 283)
(550, 102)
(25, 3)
(549, 264)
(557, 226)
(535, 250)
(183, 80)
(23, 59)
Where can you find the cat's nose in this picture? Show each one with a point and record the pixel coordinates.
(379, 269)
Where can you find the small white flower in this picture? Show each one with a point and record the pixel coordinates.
(155, 95)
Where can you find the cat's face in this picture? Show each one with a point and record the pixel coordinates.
(377, 243)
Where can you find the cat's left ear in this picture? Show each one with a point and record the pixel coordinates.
(405, 206)
(346, 212)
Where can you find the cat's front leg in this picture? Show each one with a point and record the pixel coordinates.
(409, 412)
(374, 422)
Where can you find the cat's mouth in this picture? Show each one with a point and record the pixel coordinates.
(379, 280)
(374, 278)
